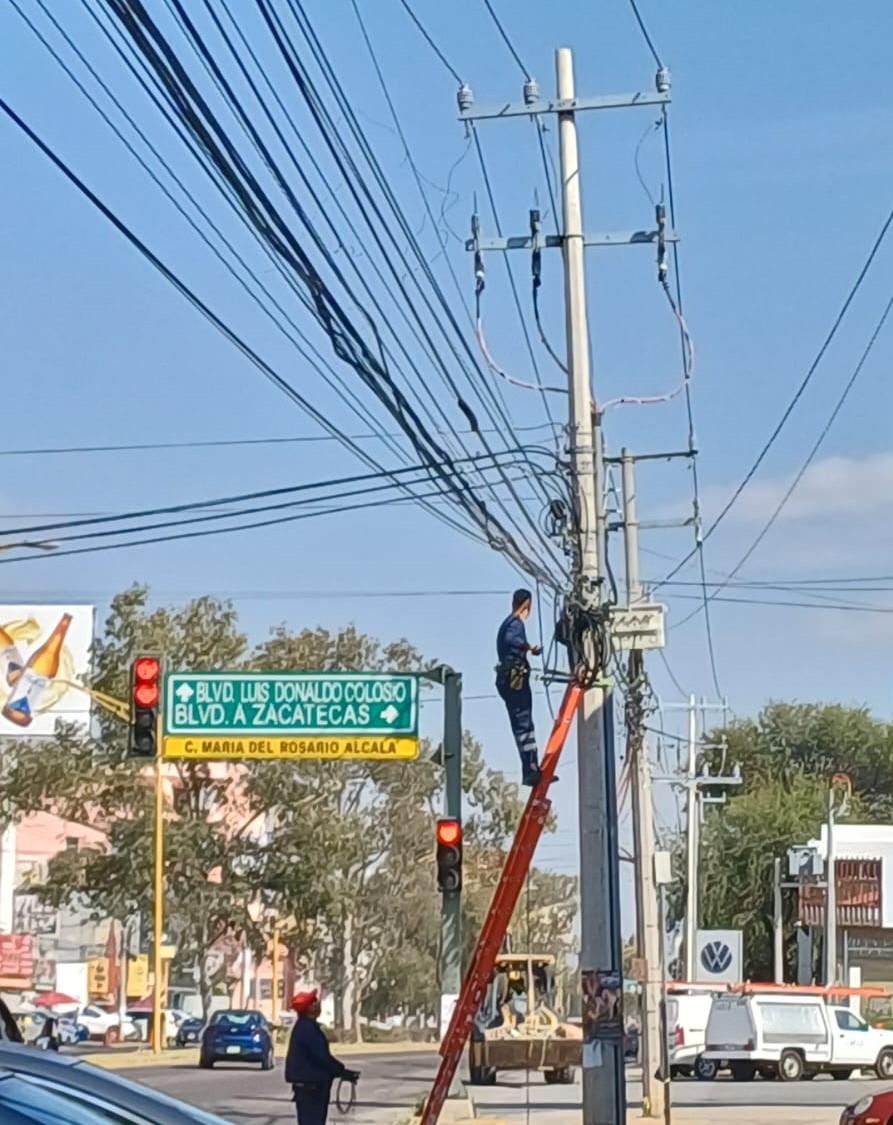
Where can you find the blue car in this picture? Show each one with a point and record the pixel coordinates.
(237, 1036)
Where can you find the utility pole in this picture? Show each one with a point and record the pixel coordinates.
(604, 1091)
(648, 936)
(777, 923)
(692, 845)
(695, 784)
(838, 780)
(604, 1080)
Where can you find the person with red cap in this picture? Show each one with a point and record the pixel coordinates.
(310, 1067)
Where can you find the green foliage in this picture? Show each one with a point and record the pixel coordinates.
(342, 854)
(787, 755)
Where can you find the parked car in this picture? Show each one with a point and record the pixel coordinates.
(101, 1024)
(237, 1036)
(82, 1089)
(70, 1031)
(687, 1014)
(869, 1110)
(793, 1035)
(190, 1031)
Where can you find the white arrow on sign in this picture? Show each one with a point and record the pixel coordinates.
(184, 693)
(390, 713)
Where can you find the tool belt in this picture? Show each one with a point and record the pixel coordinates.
(512, 674)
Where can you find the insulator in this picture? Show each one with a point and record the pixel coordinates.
(531, 92)
(662, 81)
(465, 98)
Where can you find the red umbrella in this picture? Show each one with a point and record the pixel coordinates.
(54, 1000)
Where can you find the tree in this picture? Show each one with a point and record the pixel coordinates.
(787, 757)
(213, 848)
(341, 853)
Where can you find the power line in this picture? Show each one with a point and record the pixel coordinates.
(505, 38)
(644, 30)
(437, 51)
(779, 508)
(797, 395)
(223, 443)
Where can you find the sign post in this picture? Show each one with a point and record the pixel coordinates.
(322, 716)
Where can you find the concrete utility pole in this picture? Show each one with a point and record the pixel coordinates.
(648, 936)
(604, 1097)
(692, 844)
(604, 1092)
(777, 923)
(694, 784)
(831, 966)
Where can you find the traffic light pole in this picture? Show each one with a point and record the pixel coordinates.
(158, 899)
(450, 901)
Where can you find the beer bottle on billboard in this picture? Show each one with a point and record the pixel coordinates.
(11, 662)
(42, 666)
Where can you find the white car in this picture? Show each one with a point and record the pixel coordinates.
(791, 1036)
(98, 1023)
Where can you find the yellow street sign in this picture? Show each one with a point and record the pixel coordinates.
(98, 976)
(138, 976)
(369, 748)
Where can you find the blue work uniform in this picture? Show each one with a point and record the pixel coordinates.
(310, 1069)
(513, 686)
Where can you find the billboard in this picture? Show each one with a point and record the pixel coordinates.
(44, 652)
(718, 956)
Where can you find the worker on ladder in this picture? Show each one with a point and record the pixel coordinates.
(513, 682)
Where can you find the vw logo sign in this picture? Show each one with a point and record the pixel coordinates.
(716, 957)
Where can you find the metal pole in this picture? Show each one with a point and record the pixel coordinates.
(158, 997)
(648, 940)
(830, 898)
(692, 829)
(603, 1077)
(451, 903)
(777, 923)
(664, 1007)
(274, 958)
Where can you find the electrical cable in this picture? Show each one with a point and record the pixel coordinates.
(219, 443)
(300, 78)
(178, 284)
(315, 359)
(505, 38)
(644, 30)
(689, 410)
(296, 7)
(479, 288)
(267, 493)
(810, 457)
(276, 521)
(851, 295)
(437, 51)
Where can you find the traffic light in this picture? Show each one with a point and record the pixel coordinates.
(145, 698)
(449, 856)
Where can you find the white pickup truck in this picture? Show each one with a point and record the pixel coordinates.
(793, 1036)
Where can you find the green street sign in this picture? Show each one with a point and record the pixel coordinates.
(244, 715)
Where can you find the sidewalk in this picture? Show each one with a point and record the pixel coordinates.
(126, 1057)
(706, 1115)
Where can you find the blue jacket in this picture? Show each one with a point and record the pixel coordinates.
(511, 642)
(309, 1058)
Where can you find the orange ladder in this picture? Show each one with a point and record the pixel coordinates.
(505, 899)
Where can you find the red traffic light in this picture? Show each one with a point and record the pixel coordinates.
(147, 668)
(449, 833)
(146, 695)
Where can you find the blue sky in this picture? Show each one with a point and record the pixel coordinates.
(780, 123)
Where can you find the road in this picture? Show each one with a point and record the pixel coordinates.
(247, 1096)
(392, 1083)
